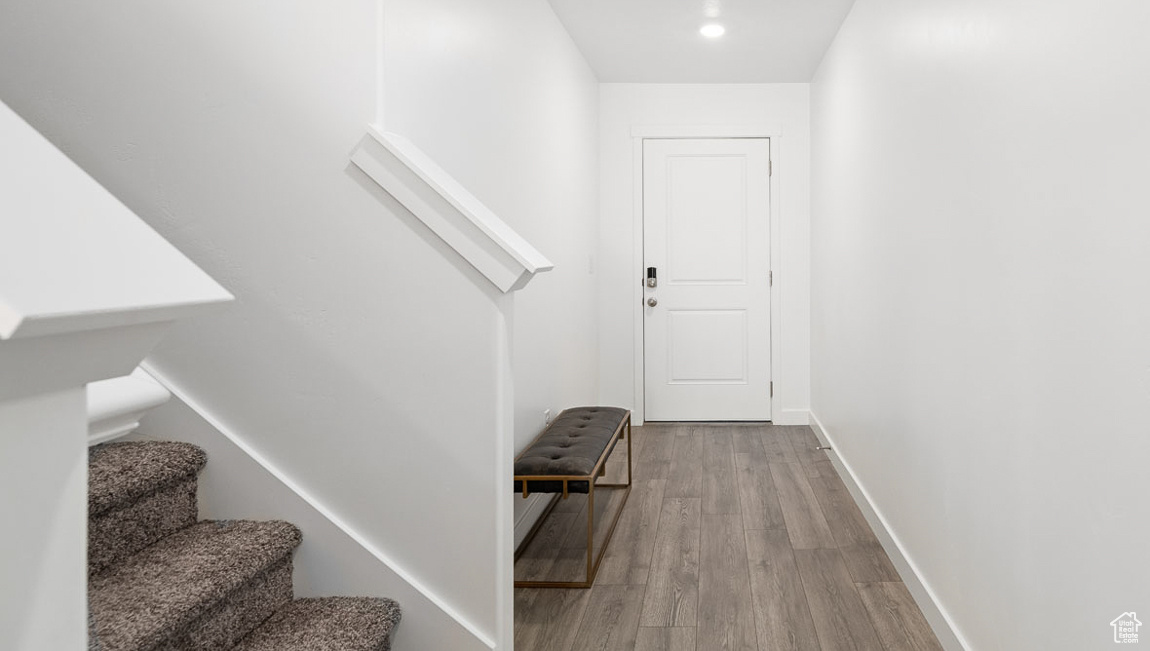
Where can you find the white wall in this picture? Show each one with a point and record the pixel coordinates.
(780, 108)
(362, 357)
(499, 96)
(980, 268)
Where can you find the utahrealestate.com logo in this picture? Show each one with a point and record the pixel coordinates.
(1126, 628)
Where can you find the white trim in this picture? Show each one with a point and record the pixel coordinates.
(316, 504)
(940, 622)
(680, 131)
(504, 455)
(639, 412)
(774, 135)
(484, 240)
(17, 325)
(792, 417)
(779, 380)
(115, 406)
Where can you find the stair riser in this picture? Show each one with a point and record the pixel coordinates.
(222, 626)
(117, 534)
(327, 624)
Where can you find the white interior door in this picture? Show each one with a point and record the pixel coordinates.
(707, 322)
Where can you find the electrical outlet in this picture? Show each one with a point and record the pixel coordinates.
(546, 417)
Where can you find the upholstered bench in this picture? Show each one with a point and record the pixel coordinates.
(568, 457)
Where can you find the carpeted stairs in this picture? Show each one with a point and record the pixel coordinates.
(158, 580)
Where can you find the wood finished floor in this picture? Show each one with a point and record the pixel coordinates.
(734, 538)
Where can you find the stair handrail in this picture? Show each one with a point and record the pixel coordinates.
(441, 202)
(116, 405)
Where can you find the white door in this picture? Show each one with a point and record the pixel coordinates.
(707, 321)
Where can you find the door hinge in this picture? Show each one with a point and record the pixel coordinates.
(770, 168)
(772, 389)
(771, 277)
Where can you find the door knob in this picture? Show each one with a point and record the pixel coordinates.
(652, 302)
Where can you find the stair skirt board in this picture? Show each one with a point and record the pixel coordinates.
(170, 583)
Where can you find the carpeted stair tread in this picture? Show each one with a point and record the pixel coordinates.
(152, 596)
(327, 624)
(120, 473)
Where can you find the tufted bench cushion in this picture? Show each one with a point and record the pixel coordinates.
(570, 446)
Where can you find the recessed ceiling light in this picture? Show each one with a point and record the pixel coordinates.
(714, 30)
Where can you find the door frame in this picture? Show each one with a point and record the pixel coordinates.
(670, 132)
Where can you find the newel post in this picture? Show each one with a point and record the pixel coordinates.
(86, 290)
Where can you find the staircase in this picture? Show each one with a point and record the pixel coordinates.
(159, 580)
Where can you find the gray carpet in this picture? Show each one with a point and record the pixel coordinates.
(137, 494)
(160, 581)
(120, 473)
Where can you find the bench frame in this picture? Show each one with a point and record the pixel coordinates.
(622, 431)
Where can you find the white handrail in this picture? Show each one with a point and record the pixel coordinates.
(116, 406)
(462, 221)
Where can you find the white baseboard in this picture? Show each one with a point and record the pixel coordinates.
(334, 558)
(792, 417)
(536, 504)
(943, 626)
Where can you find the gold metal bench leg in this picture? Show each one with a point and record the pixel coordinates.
(590, 531)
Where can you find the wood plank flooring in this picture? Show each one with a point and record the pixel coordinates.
(734, 538)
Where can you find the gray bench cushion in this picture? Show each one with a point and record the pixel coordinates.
(571, 445)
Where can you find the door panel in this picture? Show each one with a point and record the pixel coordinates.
(706, 223)
(707, 346)
(710, 249)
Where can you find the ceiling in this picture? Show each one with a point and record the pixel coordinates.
(658, 41)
